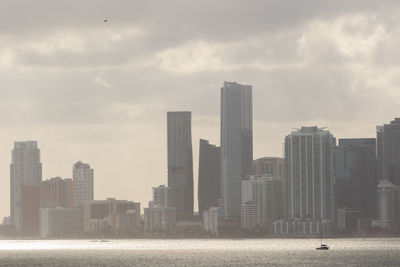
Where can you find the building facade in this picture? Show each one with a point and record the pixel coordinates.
(356, 183)
(163, 196)
(309, 160)
(83, 183)
(209, 220)
(180, 161)
(209, 176)
(59, 222)
(236, 146)
(56, 192)
(25, 169)
(269, 166)
(388, 205)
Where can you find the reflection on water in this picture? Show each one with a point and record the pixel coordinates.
(289, 252)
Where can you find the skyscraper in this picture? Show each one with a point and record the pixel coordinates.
(270, 166)
(209, 175)
(83, 183)
(25, 170)
(56, 192)
(356, 182)
(180, 161)
(309, 163)
(388, 205)
(388, 152)
(236, 145)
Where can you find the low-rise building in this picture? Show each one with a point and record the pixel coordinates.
(60, 222)
(210, 220)
(347, 219)
(248, 215)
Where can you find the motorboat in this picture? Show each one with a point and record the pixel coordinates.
(323, 247)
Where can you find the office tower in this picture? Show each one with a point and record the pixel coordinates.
(25, 169)
(309, 159)
(30, 202)
(388, 205)
(163, 196)
(209, 176)
(379, 153)
(111, 214)
(388, 152)
(269, 166)
(269, 196)
(180, 161)
(160, 216)
(56, 192)
(236, 146)
(356, 183)
(83, 183)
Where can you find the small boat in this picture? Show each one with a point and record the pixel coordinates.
(323, 247)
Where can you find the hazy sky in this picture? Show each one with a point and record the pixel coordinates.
(99, 92)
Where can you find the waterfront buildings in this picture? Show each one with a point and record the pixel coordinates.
(160, 217)
(83, 183)
(269, 166)
(209, 176)
(248, 215)
(356, 182)
(60, 222)
(30, 205)
(56, 192)
(236, 146)
(268, 194)
(309, 160)
(388, 205)
(163, 196)
(209, 219)
(25, 170)
(180, 161)
(111, 215)
(388, 152)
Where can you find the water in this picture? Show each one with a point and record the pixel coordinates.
(270, 252)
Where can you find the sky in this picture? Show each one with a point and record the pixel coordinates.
(99, 91)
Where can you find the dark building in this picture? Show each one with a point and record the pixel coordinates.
(180, 161)
(388, 151)
(209, 175)
(356, 183)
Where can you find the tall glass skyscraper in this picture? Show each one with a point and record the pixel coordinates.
(236, 145)
(180, 161)
(309, 159)
(83, 183)
(209, 175)
(25, 170)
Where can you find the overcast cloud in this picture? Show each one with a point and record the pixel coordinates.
(99, 92)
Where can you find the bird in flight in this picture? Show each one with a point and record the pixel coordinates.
(105, 20)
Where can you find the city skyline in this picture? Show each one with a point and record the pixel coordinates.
(98, 92)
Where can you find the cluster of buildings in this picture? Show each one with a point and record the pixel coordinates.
(320, 185)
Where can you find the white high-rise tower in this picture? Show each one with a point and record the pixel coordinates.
(83, 184)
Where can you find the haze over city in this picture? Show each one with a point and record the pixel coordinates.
(99, 91)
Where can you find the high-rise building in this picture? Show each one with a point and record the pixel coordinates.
(83, 183)
(356, 183)
(25, 169)
(56, 192)
(379, 153)
(236, 146)
(160, 216)
(209, 176)
(388, 152)
(180, 161)
(269, 196)
(269, 166)
(388, 205)
(30, 202)
(309, 160)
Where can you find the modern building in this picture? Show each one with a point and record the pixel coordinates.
(160, 216)
(56, 192)
(269, 166)
(163, 196)
(209, 220)
(298, 228)
(25, 169)
(269, 196)
(83, 183)
(60, 222)
(110, 215)
(356, 182)
(379, 153)
(388, 152)
(309, 160)
(236, 146)
(209, 176)
(180, 161)
(388, 205)
(348, 219)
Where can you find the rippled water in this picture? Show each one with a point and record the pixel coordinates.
(271, 252)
